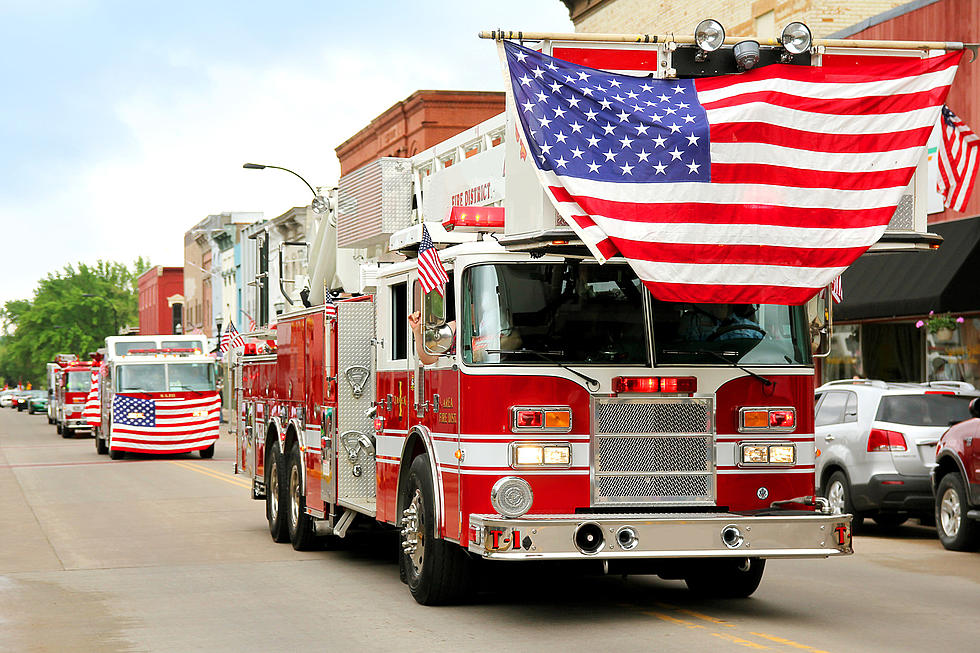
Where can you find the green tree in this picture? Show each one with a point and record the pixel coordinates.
(72, 311)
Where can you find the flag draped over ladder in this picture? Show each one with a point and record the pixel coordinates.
(759, 187)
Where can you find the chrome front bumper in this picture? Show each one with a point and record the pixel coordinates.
(693, 535)
(79, 425)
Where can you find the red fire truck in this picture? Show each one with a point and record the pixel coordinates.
(73, 383)
(53, 373)
(569, 415)
(158, 399)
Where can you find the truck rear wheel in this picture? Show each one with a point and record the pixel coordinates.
(57, 427)
(299, 523)
(208, 453)
(437, 571)
(274, 499)
(735, 578)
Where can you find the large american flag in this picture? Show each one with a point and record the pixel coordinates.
(760, 187)
(92, 413)
(172, 425)
(957, 161)
(432, 274)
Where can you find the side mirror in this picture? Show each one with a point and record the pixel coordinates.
(438, 340)
(975, 407)
(818, 313)
(437, 336)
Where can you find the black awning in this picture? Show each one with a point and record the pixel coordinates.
(914, 283)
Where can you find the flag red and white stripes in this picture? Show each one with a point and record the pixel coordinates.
(92, 413)
(231, 338)
(432, 274)
(957, 161)
(837, 290)
(181, 424)
(787, 175)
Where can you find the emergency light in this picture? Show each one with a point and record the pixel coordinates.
(475, 218)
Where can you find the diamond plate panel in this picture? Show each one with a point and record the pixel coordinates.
(355, 329)
(653, 451)
(904, 217)
(373, 202)
(656, 454)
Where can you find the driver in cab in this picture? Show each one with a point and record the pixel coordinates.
(711, 322)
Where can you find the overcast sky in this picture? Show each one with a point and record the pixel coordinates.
(123, 123)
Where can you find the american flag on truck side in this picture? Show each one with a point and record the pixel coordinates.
(165, 425)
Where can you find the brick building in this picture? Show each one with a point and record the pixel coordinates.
(764, 18)
(417, 123)
(160, 299)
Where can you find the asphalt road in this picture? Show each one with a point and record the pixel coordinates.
(171, 554)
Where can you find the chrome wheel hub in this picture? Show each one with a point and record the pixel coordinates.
(949, 512)
(835, 496)
(294, 497)
(413, 532)
(274, 491)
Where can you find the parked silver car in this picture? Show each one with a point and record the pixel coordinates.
(876, 445)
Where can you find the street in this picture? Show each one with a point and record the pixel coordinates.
(171, 554)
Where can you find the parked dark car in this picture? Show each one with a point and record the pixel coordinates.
(956, 480)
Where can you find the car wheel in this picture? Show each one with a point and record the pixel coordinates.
(727, 579)
(299, 523)
(839, 495)
(956, 531)
(437, 572)
(275, 499)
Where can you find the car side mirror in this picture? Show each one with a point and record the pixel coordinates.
(818, 312)
(975, 407)
(437, 336)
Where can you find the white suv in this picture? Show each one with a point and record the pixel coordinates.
(876, 445)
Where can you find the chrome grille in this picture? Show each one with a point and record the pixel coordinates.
(653, 451)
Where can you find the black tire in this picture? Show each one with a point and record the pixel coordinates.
(30, 411)
(298, 523)
(100, 445)
(890, 519)
(956, 531)
(735, 578)
(437, 572)
(275, 498)
(208, 453)
(838, 492)
(67, 432)
(57, 427)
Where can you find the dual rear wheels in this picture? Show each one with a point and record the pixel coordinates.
(285, 499)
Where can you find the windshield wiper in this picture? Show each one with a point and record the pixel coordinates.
(547, 355)
(721, 356)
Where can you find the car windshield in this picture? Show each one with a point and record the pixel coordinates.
(925, 409)
(535, 313)
(182, 344)
(147, 377)
(190, 376)
(123, 348)
(79, 382)
(750, 334)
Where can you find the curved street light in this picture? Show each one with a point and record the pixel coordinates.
(320, 203)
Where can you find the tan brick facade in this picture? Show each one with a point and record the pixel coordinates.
(740, 17)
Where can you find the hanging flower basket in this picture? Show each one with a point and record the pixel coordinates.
(941, 325)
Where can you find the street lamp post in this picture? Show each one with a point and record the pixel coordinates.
(320, 203)
(115, 315)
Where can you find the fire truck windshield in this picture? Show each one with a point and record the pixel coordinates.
(571, 312)
(749, 334)
(169, 377)
(582, 313)
(79, 381)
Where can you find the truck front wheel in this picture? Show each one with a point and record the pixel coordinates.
(274, 496)
(735, 578)
(437, 571)
(100, 445)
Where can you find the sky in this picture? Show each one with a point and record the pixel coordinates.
(123, 123)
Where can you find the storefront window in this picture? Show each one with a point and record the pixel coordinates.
(844, 360)
(956, 355)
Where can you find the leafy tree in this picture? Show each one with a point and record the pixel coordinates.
(72, 311)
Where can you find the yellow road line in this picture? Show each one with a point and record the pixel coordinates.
(211, 473)
(698, 615)
(788, 642)
(740, 641)
(674, 620)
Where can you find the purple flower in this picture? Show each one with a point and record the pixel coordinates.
(930, 313)
(960, 320)
(919, 324)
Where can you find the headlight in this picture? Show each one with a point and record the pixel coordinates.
(796, 38)
(709, 35)
(511, 496)
(763, 454)
(540, 454)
